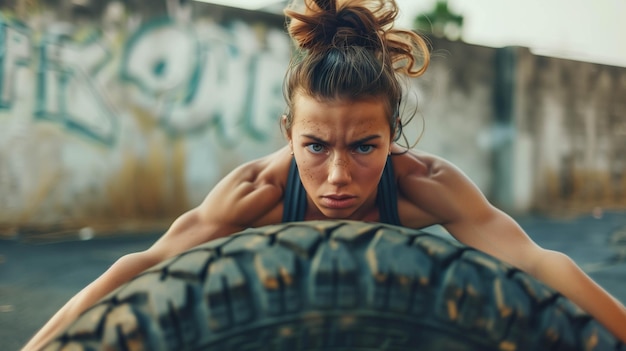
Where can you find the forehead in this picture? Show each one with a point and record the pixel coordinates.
(312, 111)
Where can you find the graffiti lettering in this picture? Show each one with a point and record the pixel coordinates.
(14, 54)
(67, 91)
(188, 77)
(211, 78)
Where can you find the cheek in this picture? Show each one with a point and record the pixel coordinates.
(310, 173)
(369, 172)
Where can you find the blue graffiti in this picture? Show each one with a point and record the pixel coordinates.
(189, 77)
(161, 58)
(200, 78)
(66, 91)
(15, 53)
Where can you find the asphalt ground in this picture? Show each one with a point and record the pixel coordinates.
(37, 276)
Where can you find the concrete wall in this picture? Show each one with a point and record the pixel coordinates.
(117, 116)
(117, 119)
(570, 119)
(455, 100)
(535, 133)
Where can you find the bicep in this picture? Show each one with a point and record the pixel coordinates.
(468, 215)
(231, 206)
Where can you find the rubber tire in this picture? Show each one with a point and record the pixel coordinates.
(334, 285)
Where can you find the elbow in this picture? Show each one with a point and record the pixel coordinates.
(551, 266)
(137, 262)
(123, 270)
(547, 259)
(130, 258)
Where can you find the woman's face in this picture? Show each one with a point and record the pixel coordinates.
(341, 148)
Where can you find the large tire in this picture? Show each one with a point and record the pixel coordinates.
(334, 285)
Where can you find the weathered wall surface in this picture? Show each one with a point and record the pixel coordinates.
(570, 119)
(111, 118)
(118, 115)
(535, 133)
(456, 106)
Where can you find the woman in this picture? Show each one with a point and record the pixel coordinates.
(342, 162)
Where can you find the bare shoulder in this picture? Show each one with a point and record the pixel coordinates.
(419, 167)
(434, 189)
(250, 195)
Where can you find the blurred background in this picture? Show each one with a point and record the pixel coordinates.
(117, 116)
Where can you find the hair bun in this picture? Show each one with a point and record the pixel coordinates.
(319, 25)
(355, 28)
(325, 23)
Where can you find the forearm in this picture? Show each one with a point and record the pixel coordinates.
(59, 321)
(562, 274)
(120, 272)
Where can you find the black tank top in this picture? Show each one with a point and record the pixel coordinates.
(386, 200)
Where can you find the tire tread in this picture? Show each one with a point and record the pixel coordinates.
(286, 285)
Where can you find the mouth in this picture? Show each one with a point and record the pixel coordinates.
(338, 201)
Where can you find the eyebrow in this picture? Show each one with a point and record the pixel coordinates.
(354, 143)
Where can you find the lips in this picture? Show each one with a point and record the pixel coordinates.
(338, 201)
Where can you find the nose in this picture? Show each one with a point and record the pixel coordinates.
(339, 171)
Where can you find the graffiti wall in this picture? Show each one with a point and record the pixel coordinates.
(118, 115)
(123, 117)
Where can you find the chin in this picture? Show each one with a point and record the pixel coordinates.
(338, 213)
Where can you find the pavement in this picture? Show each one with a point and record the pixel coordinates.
(38, 276)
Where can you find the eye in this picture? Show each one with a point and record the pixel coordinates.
(316, 148)
(364, 149)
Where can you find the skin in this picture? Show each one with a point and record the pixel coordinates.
(340, 159)
(341, 148)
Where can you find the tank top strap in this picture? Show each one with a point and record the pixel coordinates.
(294, 203)
(387, 199)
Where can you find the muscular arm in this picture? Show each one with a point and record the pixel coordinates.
(500, 236)
(454, 201)
(120, 272)
(238, 201)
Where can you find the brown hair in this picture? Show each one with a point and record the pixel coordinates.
(349, 49)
